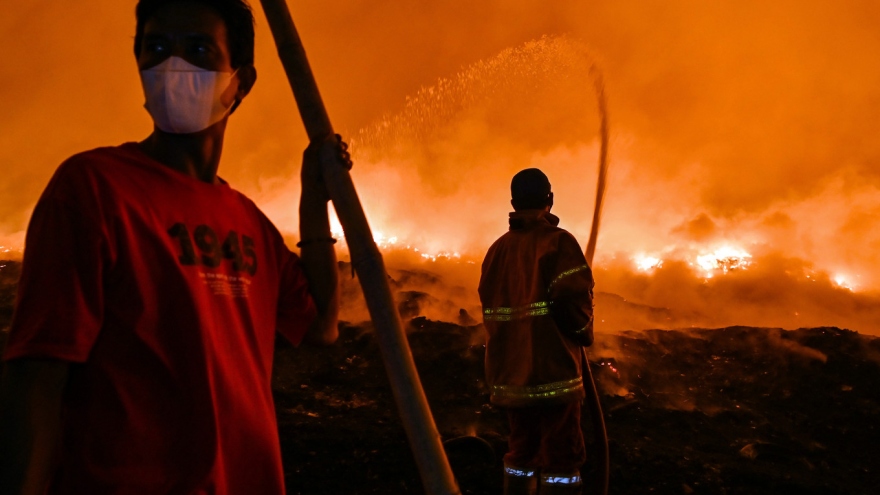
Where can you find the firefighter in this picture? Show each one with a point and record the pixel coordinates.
(536, 289)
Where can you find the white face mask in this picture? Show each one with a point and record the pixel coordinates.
(183, 98)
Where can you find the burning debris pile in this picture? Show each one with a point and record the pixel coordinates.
(730, 411)
(738, 410)
(733, 410)
(741, 410)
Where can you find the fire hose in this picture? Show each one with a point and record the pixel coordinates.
(600, 434)
(366, 259)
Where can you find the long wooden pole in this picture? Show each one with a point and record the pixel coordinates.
(418, 422)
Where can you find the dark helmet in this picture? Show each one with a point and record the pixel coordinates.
(530, 190)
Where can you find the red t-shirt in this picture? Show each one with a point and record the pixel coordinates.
(165, 293)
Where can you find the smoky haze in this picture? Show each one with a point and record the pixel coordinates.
(733, 124)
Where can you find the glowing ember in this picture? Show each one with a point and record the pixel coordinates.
(646, 263)
(724, 259)
(843, 281)
(610, 366)
(382, 241)
(388, 243)
(440, 255)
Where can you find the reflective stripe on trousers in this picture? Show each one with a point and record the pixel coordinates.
(520, 481)
(519, 473)
(561, 479)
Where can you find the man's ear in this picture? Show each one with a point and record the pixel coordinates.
(550, 201)
(247, 76)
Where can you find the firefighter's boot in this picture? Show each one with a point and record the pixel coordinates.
(519, 481)
(561, 484)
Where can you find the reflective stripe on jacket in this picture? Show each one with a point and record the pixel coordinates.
(535, 266)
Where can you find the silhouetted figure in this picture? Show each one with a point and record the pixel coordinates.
(536, 292)
(140, 353)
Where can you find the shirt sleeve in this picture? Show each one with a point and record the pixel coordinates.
(296, 308)
(60, 301)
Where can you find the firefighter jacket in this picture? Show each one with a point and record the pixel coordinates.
(537, 295)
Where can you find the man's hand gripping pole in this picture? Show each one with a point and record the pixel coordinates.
(367, 261)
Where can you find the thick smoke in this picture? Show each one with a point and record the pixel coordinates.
(748, 125)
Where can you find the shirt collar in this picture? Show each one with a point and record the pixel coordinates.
(527, 219)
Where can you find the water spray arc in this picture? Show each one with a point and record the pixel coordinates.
(594, 405)
(599, 86)
(418, 422)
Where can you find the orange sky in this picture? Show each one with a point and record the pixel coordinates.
(732, 122)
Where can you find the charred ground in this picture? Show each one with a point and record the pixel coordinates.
(728, 411)
(735, 410)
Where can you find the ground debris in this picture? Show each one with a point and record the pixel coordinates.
(729, 411)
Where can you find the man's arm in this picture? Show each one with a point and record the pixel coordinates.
(317, 251)
(574, 318)
(319, 265)
(30, 423)
(571, 292)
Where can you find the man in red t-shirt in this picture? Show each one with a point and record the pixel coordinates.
(140, 353)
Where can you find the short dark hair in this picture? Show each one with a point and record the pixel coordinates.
(236, 14)
(530, 190)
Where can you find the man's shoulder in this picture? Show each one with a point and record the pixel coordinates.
(80, 173)
(553, 239)
(565, 236)
(118, 152)
(504, 238)
(97, 160)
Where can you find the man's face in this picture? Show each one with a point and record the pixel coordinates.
(197, 34)
(191, 31)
